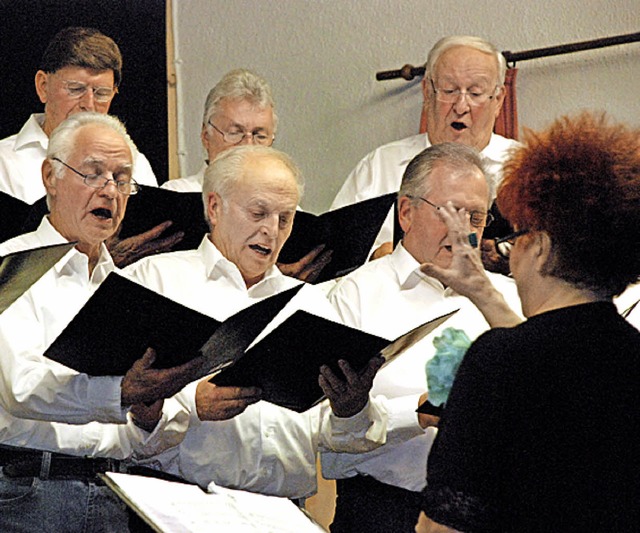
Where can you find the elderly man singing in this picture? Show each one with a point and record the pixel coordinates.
(250, 196)
(240, 110)
(463, 92)
(47, 410)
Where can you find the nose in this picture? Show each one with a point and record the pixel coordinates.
(247, 139)
(87, 102)
(109, 190)
(271, 224)
(461, 105)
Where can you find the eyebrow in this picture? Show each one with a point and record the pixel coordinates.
(92, 161)
(243, 128)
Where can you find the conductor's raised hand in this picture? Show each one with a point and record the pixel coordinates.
(349, 396)
(466, 273)
(145, 384)
(222, 403)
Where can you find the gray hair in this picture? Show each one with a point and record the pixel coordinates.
(469, 41)
(240, 84)
(228, 167)
(416, 182)
(62, 141)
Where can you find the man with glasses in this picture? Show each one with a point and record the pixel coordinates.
(238, 110)
(59, 428)
(380, 490)
(463, 92)
(80, 70)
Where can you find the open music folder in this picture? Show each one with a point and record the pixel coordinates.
(285, 364)
(152, 206)
(170, 507)
(123, 318)
(349, 232)
(20, 270)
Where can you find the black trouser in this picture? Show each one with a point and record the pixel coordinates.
(369, 506)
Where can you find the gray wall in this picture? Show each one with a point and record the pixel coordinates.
(321, 56)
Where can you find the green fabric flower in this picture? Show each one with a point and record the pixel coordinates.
(442, 367)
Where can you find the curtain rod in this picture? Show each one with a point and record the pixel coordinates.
(408, 72)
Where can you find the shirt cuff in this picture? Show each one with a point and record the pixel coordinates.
(402, 423)
(105, 399)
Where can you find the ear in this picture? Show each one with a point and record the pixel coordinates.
(405, 213)
(427, 91)
(214, 204)
(49, 179)
(204, 137)
(424, 87)
(543, 254)
(41, 81)
(502, 93)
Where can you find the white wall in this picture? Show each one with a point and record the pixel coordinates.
(321, 56)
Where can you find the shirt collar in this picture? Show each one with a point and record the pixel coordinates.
(75, 262)
(217, 266)
(32, 133)
(408, 271)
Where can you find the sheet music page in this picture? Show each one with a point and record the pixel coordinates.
(181, 508)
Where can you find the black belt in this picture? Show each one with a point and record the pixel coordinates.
(26, 462)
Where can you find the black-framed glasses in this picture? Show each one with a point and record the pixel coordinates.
(475, 98)
(505, 244)
(478, 219)
(98, 181)
(236, 137)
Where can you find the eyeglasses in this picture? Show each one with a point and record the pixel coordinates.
(77, 89)
(478, 219)
(236, 137)
(505, 244)
(475, 98)
(97, 181)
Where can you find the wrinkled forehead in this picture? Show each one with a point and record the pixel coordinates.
(98, 142)
(463, 184)
(85, 74)
(241, 109)
(465, 61)
(268, 179)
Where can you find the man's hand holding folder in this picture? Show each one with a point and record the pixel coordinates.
(349, 396)
(143, 383)
(221, 403)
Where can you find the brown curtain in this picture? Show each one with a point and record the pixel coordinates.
(507, 121)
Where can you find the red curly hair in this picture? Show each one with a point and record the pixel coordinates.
(579, 181)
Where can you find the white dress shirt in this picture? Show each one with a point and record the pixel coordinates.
(21, 157)
(117, 441)
(380, 172)
(36, 387)
(390, 296)
(33, 386)
(189, 184)
(267, 448)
